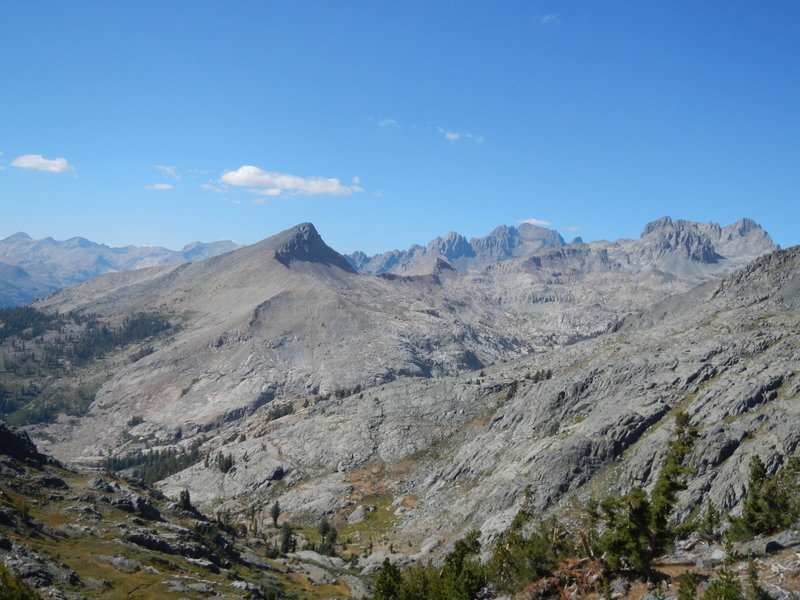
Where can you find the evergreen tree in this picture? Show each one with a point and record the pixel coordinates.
(771, 502)
(388, 583)
(275, 512)
(627, 536)
(288, 541)
(324, 527)
(709, 524)
(185, 501)
(637, 527)
(754, 591)
(725, 587)
(687, 590)
(461, 576)
(670, 481)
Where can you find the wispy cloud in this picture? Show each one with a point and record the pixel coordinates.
(159, 186)
(168, 171)
(268, 183)
(39, 163)
(388, 124)
(537, 222)
(571, 228)
(454, 136)
(214, 188)
(550, 19)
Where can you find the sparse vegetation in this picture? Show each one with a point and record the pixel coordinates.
(13, 588)
(772, 502)
(41, 353)
(153, 465)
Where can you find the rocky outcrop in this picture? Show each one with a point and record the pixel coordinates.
(18, 445)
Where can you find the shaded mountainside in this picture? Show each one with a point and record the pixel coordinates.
(46, 265)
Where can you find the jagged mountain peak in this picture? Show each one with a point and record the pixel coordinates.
(453, 245)
(706, 243)
(465, 256)
(303, 243)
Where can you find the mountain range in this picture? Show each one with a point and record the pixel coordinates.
(32, 268)
(422, 392)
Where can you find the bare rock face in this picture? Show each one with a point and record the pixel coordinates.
(17, 444)
(466, 256)
(664, 244)
(450, 393)
(590, 418)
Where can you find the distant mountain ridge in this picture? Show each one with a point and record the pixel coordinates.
(466, 256)
(32, 268)
(701, 243)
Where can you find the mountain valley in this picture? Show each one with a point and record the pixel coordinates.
(412, 397)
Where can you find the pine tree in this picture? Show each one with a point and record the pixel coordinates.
(288, 541)
(185, 501)
(687, 590)
(275, 512)
(771, 501)
(725, 587)
(626, 538)
(388, 582)
(670, 481)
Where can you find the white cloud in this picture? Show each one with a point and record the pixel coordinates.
(572, 228)
(168, 171)
(550, 19)
(38, 162)
(267, 183)
(356, 180)
(388, 124)
(266, 192)
(455, 135)
(159, 186)
(537, 222)
(214, 188)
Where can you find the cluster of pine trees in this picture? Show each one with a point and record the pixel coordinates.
(629, 532)
(154, 465)
(38, 349)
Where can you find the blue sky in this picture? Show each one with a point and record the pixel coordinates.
(389, 123)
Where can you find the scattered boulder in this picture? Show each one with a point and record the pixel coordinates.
(374, 562)
(317, 575)
(357, 516)
(122, 563)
